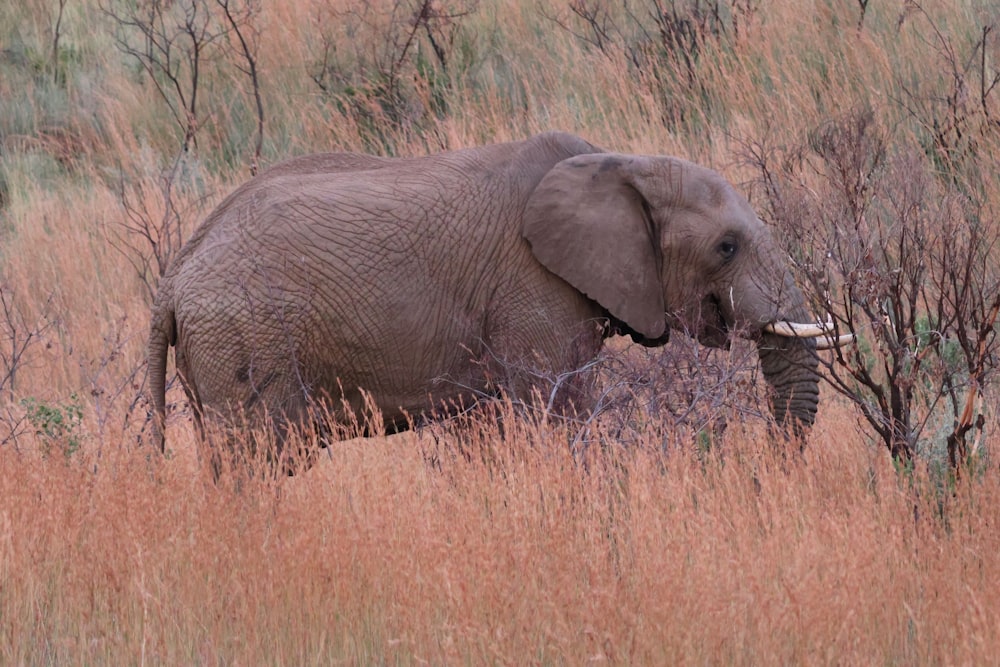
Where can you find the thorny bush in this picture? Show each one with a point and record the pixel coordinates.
(904, 258)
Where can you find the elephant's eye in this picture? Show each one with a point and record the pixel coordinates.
(727, 249)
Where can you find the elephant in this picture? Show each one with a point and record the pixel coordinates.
(430, 281)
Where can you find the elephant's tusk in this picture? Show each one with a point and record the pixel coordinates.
(799, 329)
(821, 331)
(828, 343)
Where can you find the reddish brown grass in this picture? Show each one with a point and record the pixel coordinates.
(645, 556)
(655, 553)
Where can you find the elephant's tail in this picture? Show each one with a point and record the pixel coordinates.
(162, 334)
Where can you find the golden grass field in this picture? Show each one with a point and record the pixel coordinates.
(661, 550)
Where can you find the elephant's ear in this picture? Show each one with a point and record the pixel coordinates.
(588, 223)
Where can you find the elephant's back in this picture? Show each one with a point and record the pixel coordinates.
(238, 211)
(384, 229)
(456, 201)
(361, 258)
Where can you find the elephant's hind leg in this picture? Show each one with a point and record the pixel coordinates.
(270, 428)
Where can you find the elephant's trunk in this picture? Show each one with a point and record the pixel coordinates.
(787, 354)
(790, 367)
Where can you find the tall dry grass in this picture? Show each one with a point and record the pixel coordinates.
(679, 547)
(638, 556)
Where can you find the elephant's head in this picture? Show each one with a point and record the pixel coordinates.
(662, 243)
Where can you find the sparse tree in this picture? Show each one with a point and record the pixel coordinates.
(19, 334)
(240, 16)
(661, 40)
(171, 42)
(398, 81)
(902, 258)
(56, 38)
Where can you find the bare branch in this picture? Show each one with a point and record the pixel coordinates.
(902, 258)
(171, 42)
(18, 334)
(243, 26)
(56, 37)
(386, 81)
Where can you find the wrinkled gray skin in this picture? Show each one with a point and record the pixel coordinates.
(424, 280)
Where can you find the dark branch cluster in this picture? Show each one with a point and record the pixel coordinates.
(902, 256)
(399, 80)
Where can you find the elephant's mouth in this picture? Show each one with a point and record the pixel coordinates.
(717, 323)
(713, 328)
(714, 323)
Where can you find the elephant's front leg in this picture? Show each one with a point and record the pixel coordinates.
(548, 371)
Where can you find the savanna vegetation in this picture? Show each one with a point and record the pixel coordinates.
(673, 525)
